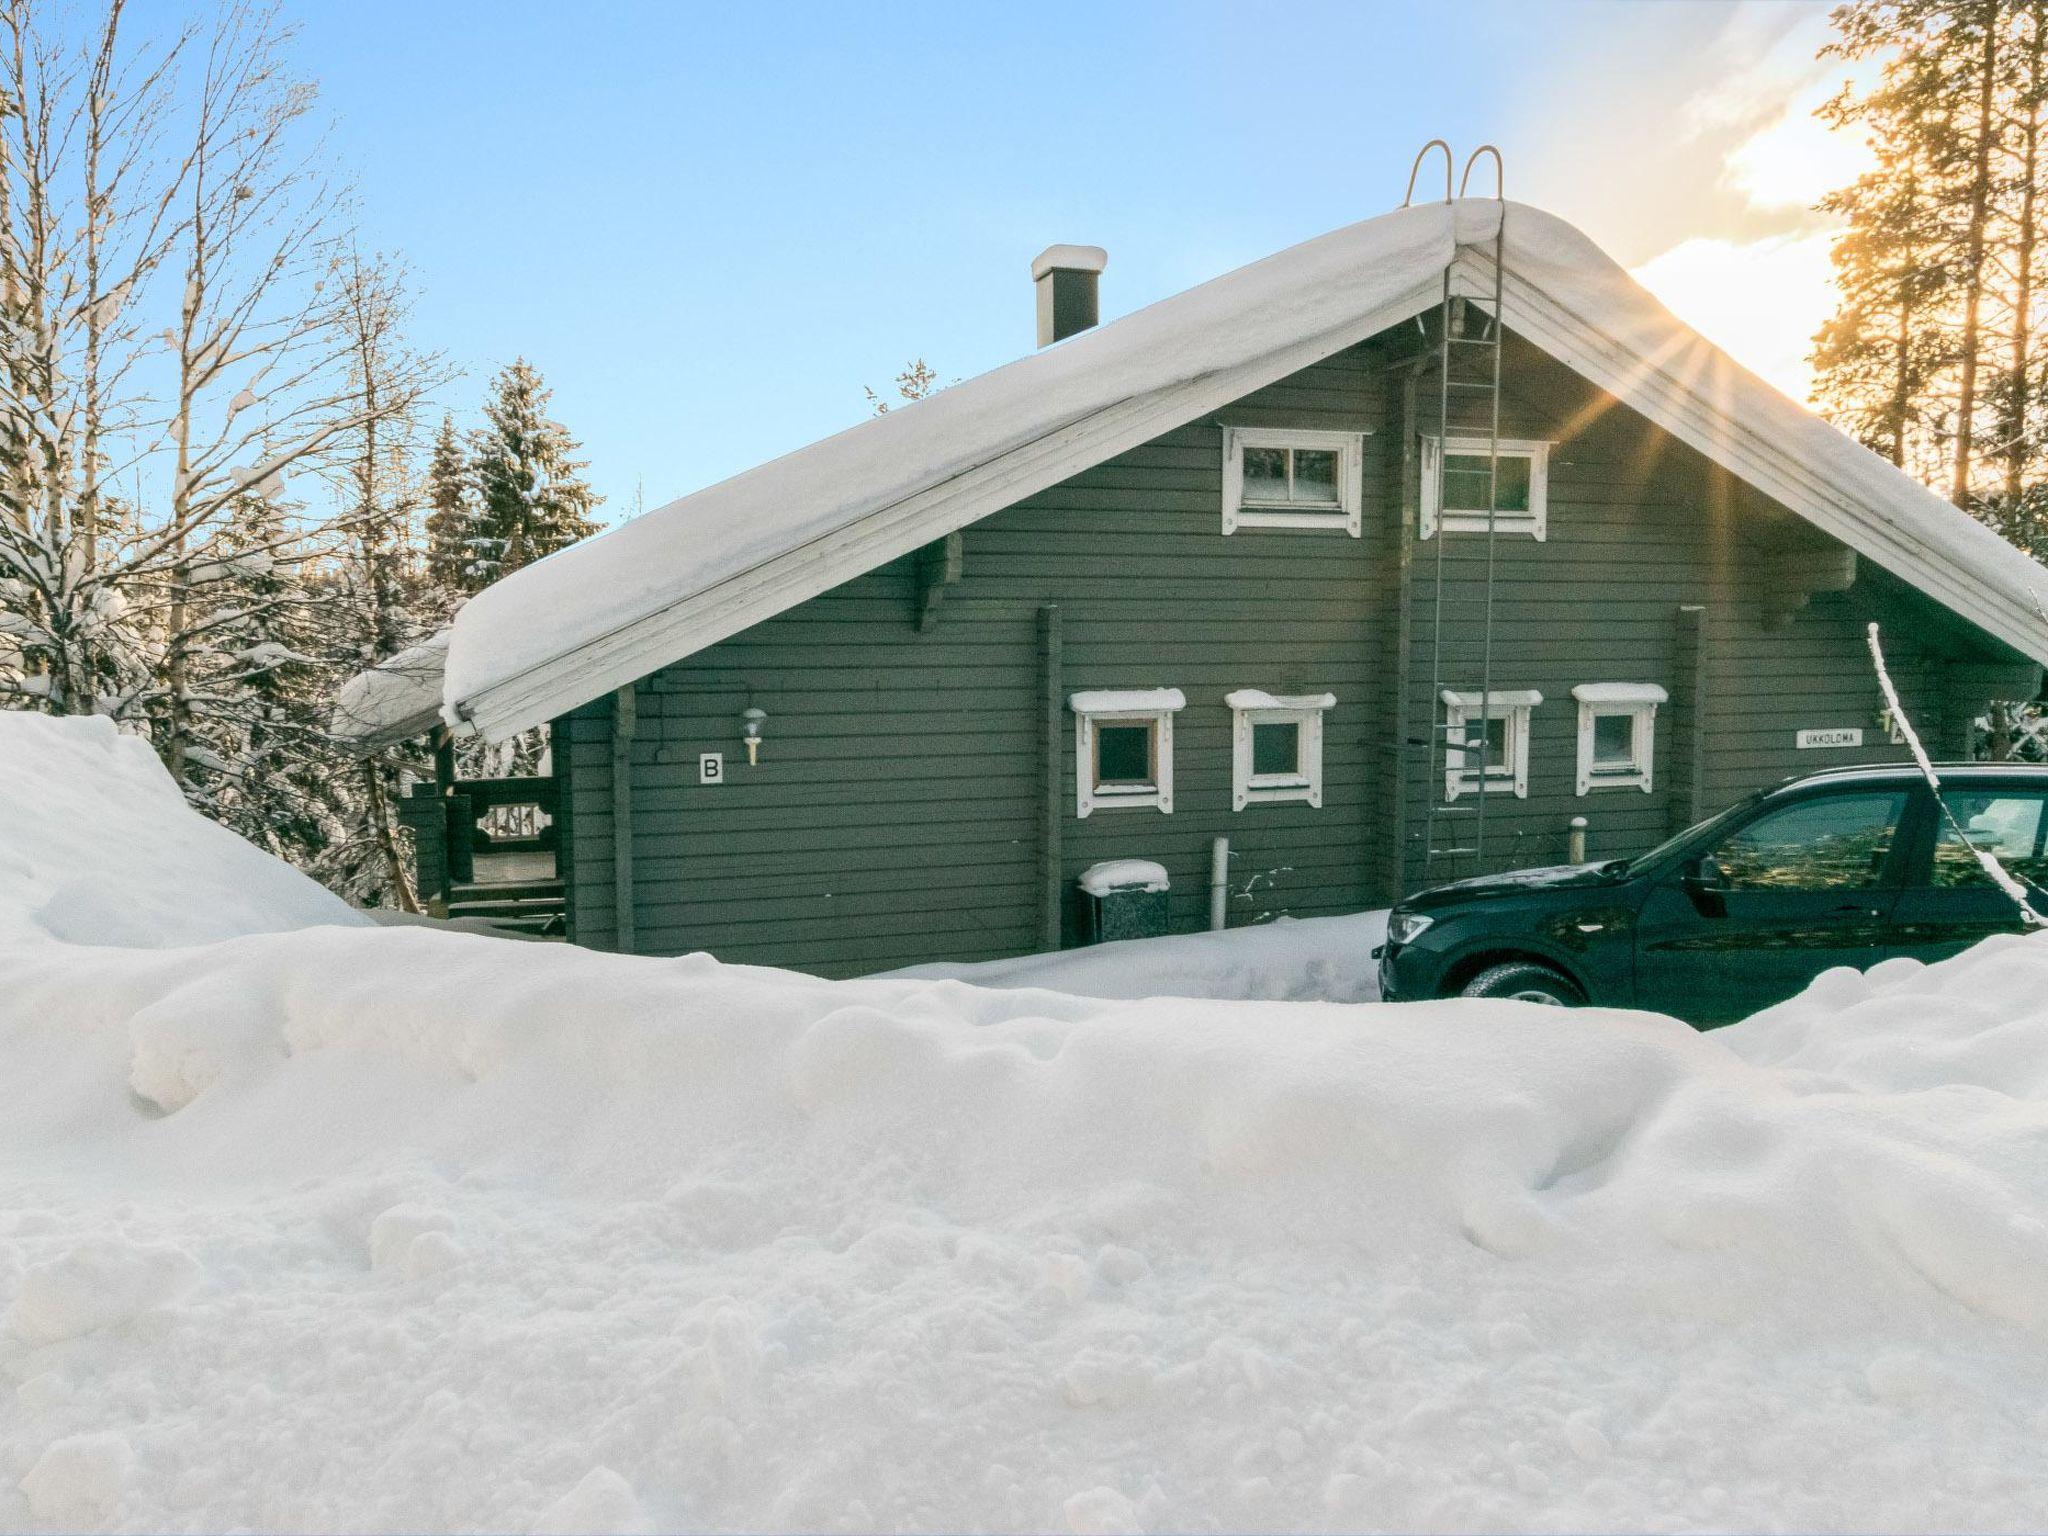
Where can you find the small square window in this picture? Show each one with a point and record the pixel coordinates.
(1457, 477)
(1492, 755)
(1614, 741)
(1276, 749)
(1277, 478)
(1124, 754)
(1277, 746)
(1617, 735)
(1123, 748)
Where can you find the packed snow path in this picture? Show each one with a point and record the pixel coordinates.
(341, 1227)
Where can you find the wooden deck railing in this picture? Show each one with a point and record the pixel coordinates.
(477, 816)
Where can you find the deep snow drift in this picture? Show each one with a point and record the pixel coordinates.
(98, 847)
(379, 1229)
(1310, 959)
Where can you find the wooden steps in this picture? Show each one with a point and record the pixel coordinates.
(527, 906)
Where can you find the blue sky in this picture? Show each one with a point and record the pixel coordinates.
(710, 225)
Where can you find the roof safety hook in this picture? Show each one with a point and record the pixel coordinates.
(1500, 174)
(1416, 169)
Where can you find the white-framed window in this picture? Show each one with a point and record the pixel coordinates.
(1454, 476)
(1276, 746)
(1123, 748)
(1504, 759)
(1617, 734)
(1276, 478)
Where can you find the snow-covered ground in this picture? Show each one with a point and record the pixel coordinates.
(345, 1227)
(1315, 959)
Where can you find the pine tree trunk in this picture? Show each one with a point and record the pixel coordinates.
(2020, 449)
(1901, 408)
(378, 804)
(1973, 258)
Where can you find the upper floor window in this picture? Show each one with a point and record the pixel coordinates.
(1273, 478)
(1455, 475)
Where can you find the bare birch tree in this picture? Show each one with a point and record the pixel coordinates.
(175, 182)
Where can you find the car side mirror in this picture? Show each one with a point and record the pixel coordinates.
(1706, 882)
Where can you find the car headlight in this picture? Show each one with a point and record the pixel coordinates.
(1406, 927)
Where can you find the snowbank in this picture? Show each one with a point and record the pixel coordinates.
(398, 1229)
(402, 1229)
(1326, 959)
(98, 847)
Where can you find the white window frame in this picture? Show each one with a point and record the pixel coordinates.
(1349, 513)
(1636, 702)
(1155, 707)
(1535, 522)
(1249, 707)
(1515, 706)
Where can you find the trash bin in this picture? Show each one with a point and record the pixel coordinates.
(1123, 899)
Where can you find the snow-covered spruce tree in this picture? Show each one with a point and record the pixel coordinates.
(531, 495)
(451, 515)
(261, 760)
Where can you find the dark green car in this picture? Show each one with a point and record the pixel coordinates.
(1842, 868)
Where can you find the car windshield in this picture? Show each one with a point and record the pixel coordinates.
(1698, 832)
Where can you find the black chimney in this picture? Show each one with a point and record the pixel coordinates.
(1066, 278)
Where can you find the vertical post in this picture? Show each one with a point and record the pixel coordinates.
(623, 722)
(1052, 903)
(444, 760)
(1688, 799)
(1397, 757)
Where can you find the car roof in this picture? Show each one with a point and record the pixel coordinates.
(1886, 773)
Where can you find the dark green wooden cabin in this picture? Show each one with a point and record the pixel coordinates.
(965, 697)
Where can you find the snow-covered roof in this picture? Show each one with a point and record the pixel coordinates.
(396, 699)
(668, 584)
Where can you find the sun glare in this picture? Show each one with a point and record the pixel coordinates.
(1760, 301)
(1761, 298)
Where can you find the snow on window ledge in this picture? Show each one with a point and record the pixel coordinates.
(1126, 701)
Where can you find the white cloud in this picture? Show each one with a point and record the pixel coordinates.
(1795, 159)
(1758, 300)
(1759, 62)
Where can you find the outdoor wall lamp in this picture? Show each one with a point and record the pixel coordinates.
(754, 719)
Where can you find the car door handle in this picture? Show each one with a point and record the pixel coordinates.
(1853, 909)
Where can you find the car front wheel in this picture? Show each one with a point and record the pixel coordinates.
(1524, 981)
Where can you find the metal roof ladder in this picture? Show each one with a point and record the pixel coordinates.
(1465, 760)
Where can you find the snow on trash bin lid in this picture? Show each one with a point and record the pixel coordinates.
(1123, 875)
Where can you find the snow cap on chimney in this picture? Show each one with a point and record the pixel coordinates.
(1066, 277)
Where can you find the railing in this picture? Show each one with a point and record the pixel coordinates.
(478, 816)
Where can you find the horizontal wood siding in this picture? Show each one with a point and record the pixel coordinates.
(1638, 527)
(897, 814)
